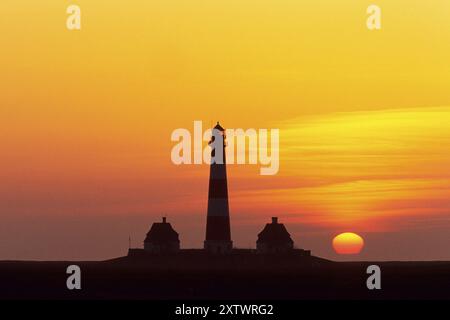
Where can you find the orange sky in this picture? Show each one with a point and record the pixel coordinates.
(86, 118)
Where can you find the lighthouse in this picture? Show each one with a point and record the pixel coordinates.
(218, 235)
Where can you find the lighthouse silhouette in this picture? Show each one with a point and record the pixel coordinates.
(218, 235)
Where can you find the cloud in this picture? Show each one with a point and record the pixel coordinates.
(352, 169)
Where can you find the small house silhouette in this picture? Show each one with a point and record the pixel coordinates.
(274, 238)
(162, 238)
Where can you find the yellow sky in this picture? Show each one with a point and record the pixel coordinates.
(207, 59)
(86, 116)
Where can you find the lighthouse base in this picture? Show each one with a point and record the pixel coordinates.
(218, 247)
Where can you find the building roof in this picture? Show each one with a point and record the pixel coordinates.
(274, 233)
(162, 232)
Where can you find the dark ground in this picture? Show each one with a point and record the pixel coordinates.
(266, 277)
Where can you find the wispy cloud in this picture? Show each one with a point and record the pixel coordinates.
(352, 169)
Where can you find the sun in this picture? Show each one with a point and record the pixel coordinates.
(348, 243)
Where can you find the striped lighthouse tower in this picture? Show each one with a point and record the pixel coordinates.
(218, 235)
